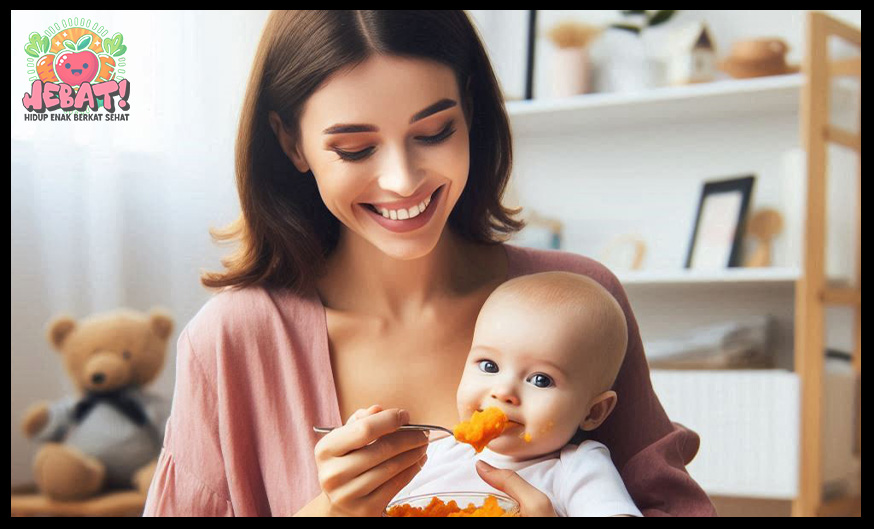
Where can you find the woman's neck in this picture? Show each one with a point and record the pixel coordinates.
(361, 278)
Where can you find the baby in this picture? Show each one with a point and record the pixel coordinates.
(546, 350)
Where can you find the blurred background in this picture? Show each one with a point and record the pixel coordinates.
(617, 132)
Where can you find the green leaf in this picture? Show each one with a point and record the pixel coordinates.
(627, 27)
(69, 45)
(83, 43)
(629, 13)
(661, 17)
(46, 44)
(32, 47)
(116, 45)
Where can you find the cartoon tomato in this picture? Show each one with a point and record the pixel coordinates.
(75, 68)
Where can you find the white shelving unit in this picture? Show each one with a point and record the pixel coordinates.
(708, 277)
(708, 101)
(558, 145)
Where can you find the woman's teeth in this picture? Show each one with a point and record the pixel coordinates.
(403, 214)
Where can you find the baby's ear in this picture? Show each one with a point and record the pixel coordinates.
(601, 408)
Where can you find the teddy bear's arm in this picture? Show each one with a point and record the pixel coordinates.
(60, 420)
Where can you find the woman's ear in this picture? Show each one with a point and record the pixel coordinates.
(600, 409)
(286, 142)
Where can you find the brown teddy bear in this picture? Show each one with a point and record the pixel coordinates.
(111, 435)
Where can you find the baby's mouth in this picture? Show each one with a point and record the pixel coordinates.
(510, 422)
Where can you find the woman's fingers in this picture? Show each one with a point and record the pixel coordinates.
(388, 490)
(364, 413)
(367, 454)
(359, 433)
(388, 473)
(389, 453)
(532, 502)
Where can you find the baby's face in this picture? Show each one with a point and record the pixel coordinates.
(528, 364)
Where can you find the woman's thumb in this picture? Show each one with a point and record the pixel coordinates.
(502, 479)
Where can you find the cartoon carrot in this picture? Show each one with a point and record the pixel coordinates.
(38, 46)
(113, 47)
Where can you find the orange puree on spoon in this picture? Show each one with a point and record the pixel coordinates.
(482, 428)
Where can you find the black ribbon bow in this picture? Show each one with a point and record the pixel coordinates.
(119, 399)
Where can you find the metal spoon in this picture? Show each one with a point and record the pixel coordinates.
(406, 427)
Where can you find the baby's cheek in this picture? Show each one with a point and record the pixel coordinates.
(466, 399)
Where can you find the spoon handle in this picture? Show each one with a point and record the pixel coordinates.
(406, 427)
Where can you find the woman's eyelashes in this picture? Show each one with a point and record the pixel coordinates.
(537, 379)
(442, 136)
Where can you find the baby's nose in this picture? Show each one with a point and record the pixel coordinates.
(506, 397)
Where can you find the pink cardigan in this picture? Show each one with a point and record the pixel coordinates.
(253, 375)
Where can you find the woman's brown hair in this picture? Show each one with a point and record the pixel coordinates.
(285, 232)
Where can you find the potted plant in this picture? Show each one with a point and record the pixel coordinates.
(628, 65)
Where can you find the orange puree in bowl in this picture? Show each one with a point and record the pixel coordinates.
(437, 508)
(482, 428)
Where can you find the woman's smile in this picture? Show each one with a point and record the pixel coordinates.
(405, 220)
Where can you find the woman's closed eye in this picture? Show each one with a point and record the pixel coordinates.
(442, 136)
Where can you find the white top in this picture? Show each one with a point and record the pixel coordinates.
(579, 480)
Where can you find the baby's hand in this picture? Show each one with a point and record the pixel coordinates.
(532, 502)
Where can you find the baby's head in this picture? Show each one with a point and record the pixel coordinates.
(546, 350)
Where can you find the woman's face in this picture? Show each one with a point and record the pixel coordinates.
(389, 134)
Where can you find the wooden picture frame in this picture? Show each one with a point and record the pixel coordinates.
(717, 240)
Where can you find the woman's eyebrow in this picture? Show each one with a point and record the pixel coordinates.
(439, 106)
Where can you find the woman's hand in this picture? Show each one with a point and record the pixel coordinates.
(532, 502)
(366, 462)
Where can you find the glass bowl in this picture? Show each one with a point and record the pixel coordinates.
(463, 499)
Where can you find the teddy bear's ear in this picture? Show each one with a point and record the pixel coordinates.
(58, 330)
(162, 323)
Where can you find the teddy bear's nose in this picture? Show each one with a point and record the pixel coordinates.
(98, 378)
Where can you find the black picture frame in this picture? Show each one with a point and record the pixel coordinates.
(732, 198)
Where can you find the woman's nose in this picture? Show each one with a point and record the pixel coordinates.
(400, 175)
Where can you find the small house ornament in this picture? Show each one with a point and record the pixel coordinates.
(692, 55)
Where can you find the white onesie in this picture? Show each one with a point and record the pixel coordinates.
(579, 480)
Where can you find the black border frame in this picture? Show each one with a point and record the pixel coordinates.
(745, 185)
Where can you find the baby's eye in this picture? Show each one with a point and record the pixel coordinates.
(540, 380)
(487, 366)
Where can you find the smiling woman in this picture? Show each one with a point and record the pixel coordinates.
(291, 212)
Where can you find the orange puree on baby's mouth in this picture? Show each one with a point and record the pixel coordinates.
(482, 428)
(437, 508)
